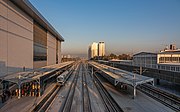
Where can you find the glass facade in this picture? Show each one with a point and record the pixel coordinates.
(40, 43)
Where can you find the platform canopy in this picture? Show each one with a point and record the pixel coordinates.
(123, 76)
(21, 76)
(34, 74)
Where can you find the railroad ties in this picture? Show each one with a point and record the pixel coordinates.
(77, 90)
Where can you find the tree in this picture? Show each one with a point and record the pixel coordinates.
(112, 56)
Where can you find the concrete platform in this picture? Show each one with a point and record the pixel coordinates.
(24, 104)
(141, 103)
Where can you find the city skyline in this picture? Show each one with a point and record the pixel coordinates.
(125, 26)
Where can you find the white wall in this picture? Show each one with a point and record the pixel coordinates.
(51, 49)
(39, 64)
(16, 39)
(59, 52)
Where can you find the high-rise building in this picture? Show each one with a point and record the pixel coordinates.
(93, 50)
(101, 49)
(96, 49)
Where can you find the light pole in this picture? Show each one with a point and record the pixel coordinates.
(134, 84)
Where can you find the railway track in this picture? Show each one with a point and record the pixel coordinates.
(109, 103)
(66, 106)
(45, 103)
(85, 92)
(165, 98)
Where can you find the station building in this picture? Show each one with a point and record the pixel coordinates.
(145, 59)
(27, 39)
(168, 60)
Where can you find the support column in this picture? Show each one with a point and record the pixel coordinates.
(40, 88)
(19, 86)
(140, 70)
(134, 91)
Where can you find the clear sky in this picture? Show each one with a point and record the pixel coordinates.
(126, 26)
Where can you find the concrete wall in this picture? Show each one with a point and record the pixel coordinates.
(39, 64)
(16, 39)
(51, 49)
(59, 52)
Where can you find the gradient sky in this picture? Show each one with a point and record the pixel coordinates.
(126, 26)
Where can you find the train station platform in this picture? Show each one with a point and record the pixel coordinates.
(142, 102)
(116, 76)
(39, 76)
(25, 104)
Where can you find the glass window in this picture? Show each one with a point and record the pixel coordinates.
(172, 68)
(177, 69)
(168, 68)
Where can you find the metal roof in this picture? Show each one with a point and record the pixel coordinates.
(34, 74)
(145, 53)
(123, 76)
(120, 60)
(29, 9)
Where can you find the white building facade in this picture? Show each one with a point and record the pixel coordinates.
(93, 50)
(96, 49)
(101, 49)
(169, 60)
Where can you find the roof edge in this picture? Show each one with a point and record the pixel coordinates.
(28, 8)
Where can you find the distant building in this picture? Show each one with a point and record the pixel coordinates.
(145, 59)
(101, 49)
(168, 59)
(68, 56)
(89, 52)
(96, 49)
(172, 47)
(93, 50)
